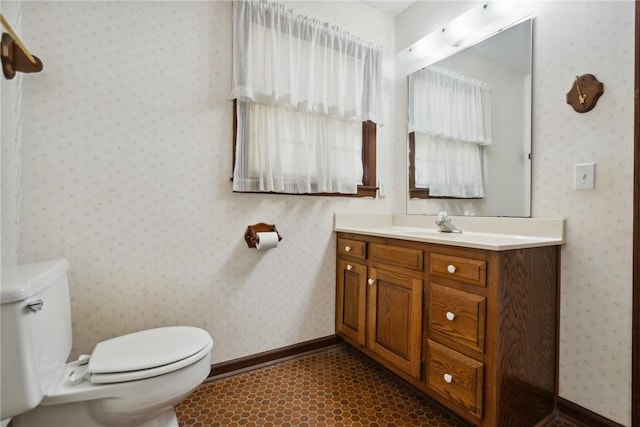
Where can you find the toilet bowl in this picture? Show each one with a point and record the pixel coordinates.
(131, 380)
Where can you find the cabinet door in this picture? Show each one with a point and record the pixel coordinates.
(351, 300)
(394, 319)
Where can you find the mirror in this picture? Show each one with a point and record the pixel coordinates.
(469, 129)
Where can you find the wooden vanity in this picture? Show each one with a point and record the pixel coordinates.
(474, 329)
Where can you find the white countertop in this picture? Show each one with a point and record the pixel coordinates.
(497, 234)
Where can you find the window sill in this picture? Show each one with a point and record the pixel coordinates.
(423, 193)
(363, 191)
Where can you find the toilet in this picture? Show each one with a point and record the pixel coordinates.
(130, 380)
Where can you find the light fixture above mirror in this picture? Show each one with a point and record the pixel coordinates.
(467, 29)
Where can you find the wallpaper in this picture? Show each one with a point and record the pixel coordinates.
(596, 282)
(126, 163)
(595, 329)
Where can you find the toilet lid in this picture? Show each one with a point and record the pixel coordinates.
(144, 350)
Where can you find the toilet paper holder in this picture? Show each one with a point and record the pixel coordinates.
(251, 235)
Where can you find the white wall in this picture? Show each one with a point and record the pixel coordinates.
(573, 38)
(127, 158)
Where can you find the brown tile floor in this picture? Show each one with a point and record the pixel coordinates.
(336, 387)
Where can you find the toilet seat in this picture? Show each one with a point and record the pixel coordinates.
(147, 353)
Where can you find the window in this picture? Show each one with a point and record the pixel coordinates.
(449, 128)
(307, 98)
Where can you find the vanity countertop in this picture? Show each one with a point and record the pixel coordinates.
(497, 234)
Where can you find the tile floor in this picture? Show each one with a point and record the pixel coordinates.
(335, 387)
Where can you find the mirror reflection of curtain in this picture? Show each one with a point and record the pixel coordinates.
(450, 116)
(303, 90)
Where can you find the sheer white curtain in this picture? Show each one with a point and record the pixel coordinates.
(450, 115)
(303, 89)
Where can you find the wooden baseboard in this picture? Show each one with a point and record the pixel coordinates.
(583, 415)
(547, 420)
(220, 370)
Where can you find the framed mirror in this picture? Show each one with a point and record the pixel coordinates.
(469, 129)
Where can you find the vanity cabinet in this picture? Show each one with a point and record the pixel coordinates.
(474, 329)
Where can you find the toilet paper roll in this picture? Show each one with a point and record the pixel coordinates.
(267, 240)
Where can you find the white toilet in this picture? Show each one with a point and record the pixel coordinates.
(131, 380)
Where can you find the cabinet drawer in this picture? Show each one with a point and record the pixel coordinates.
(397, 256)
(353, 248)
(458, 315)
(455, 376)
(469, 270)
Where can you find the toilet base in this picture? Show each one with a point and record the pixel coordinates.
(166, 419)
(79, 415)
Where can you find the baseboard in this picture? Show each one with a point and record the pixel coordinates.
(583, 415)
(254, 361)
(546, 421)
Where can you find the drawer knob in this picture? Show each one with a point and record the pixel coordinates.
(371, 281)
(349, 267)
(451, 268)
(347, 248)
(450, 316)
(448, 378)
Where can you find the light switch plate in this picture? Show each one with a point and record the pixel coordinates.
(585, 177)
(382, 191)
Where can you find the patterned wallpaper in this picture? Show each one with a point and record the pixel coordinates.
(11, 128)
(573, 38)
(595, 334)
(127, 158)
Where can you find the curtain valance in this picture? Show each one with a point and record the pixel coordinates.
(298, 63)
(449, 106)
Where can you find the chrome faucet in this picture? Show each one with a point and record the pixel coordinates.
(444, 224)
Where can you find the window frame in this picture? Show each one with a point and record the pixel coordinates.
(369, 187)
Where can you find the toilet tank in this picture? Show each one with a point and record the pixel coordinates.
(36, 332)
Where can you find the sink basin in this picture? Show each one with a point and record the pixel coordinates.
(417, 231)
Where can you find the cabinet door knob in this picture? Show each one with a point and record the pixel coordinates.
(451, 268)
(450, 315)
(349, 267)
(448, 378)
(347, 248)
(371, 281)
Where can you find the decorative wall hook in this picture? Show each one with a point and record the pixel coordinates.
(15, 56)
(584, 93)
(251, 235)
